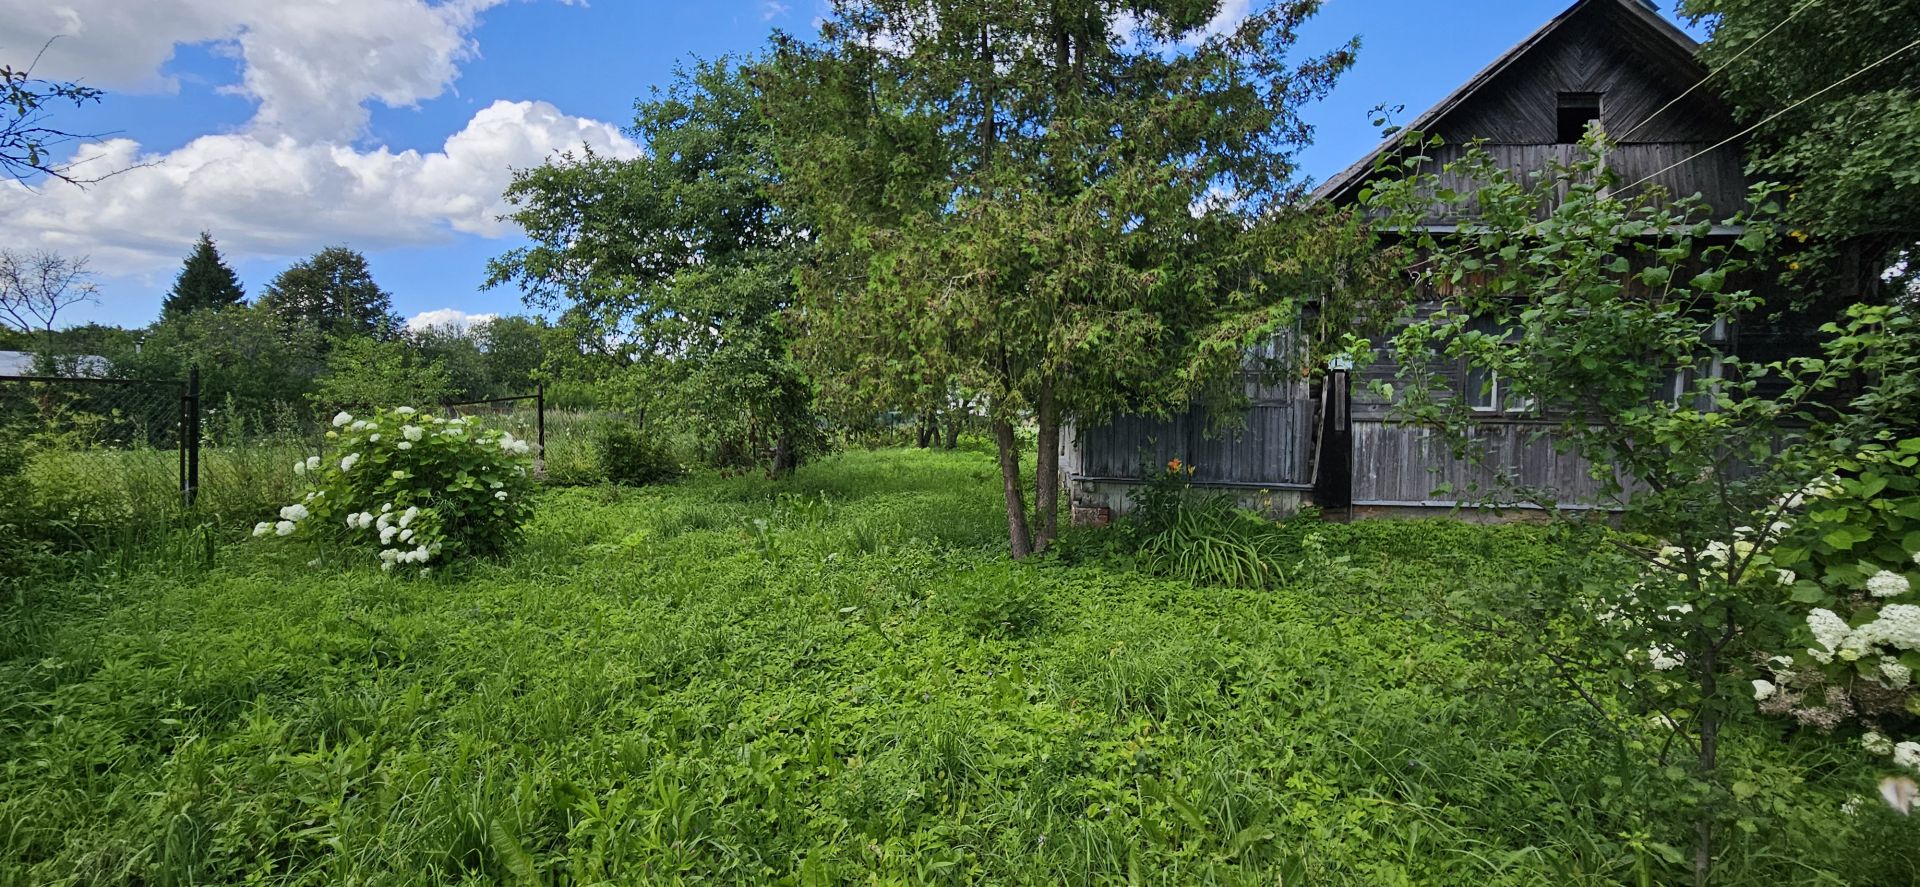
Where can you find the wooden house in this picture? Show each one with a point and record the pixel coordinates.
(1618, 62)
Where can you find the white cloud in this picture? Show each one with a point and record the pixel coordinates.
(272, 195)
(294, 178)
(450, 319)
(311, 66)
(772, 9)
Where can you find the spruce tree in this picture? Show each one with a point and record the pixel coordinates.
(205, 282)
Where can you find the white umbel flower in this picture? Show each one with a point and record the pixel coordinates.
(412, 432)
(295, 512)
(300, 466)
(404, 411)
(1894, 675)
(1764, 690)
(1829, 630)
(285, 528)
(1887, 583)
(341, 418)
(501, 495)
(262, 528)
(348, 461)
(313, 463)
(1907, 754)
(1876, 744)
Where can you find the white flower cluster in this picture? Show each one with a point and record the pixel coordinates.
(1887, 583)
(1907, 754)
(290, 518)
(1664, 658)
(1764, 690)
(311, 463)
(514, 445)
(1897, 627)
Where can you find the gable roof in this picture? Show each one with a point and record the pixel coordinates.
(1667, 40)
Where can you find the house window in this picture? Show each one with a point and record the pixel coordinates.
(1487, 392)
(1683, 386)
(1578, 110)
(1490, 394)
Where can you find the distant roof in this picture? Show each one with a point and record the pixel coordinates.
(20, 363)
(1644, 11)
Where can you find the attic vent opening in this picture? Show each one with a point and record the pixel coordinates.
(1577, 111)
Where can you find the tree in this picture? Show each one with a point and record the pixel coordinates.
(679, 263)
(252, 362)
(515, 349)
(35, 287)
(1066, 205)
(1850, 148)
(335, 292)
(1722, 481)
(205, 282)
(367, 372)
(27, 139)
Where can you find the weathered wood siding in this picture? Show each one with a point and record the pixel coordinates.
(1270, 446)
(1395, 464)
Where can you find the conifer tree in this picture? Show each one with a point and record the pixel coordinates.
(205, 282)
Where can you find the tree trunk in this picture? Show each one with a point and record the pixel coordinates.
(1709, 758)
(1017, 535)
(784, 458)
(953, 430)
(929, 426)
(1046, 468)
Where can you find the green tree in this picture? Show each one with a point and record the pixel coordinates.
(678, 264)
(250, 359)
(205, 282)
(1609, 317)
(1850, 148)
(515, 349)
(458, 351)
(335, 292)
(367, 372)
(1065, 205)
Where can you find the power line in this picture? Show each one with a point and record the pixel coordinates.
(1809, 4)
(1772, 117)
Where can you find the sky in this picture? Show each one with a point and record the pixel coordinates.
(392, 126)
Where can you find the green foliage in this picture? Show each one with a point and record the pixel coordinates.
(682, 258)
(368, 372)
(1000, 600)
(626, 455)
(334, 292)
(1015, 200)
(28, 143)
(416, 488)
(1851, 147)
(250, 359)
(1199, 537)
(635, 695)
(205, 282)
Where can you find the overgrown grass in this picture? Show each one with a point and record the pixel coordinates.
(837, 678)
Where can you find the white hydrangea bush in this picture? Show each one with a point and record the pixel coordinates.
(416, 490)
(1852, 568)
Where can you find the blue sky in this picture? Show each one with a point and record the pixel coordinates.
(388, 125)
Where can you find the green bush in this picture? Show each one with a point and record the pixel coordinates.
(419, 488)
(625, 455)
(1003, 600)
(1197, 537)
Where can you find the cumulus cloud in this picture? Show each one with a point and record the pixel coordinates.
(296, 176)
(450, 319)
(310, 66)
(273, 195)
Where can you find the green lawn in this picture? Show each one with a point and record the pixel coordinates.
(838, 679)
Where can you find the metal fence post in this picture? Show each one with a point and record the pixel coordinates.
(540, 418)
(191, 479)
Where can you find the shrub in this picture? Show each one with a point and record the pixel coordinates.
(418, 488)
(1004, 600)
(1184, 534)
(627, 456)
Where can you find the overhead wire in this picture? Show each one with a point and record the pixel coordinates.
(1803, 7)
(1771, 117)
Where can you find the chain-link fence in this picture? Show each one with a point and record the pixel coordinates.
(93, 457)
(94, 450)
